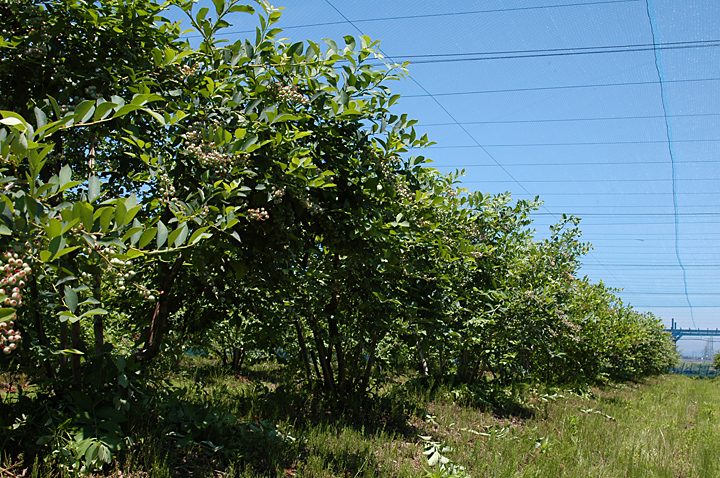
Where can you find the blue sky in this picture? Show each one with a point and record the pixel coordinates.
(607, 109)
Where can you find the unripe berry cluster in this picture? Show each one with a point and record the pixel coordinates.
(13, 270)
(259, 214)
(288, 94)
(313, 208)
(165, 184)
(209, 156)
(117, 271)
(276, 194)
(8, 337)
(187, 70)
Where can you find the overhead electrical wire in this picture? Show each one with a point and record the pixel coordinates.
(569, 163)
(623, 193)
(562, 87)
(554, 52)
(567, 120)
(436, 15)
(591, 180)
(582, 143)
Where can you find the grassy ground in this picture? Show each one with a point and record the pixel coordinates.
(666, 427)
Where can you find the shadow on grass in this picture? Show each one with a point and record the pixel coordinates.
(483, 395)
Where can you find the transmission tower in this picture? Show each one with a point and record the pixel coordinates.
(708, 352)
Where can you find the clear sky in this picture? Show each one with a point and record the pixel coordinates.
(607, 109)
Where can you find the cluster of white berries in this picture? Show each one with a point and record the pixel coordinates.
(165, 185)
(276, 194)
(288, 94)
(8, 337)
(210, 157)
(187, 70)
(404, 192)
(313, 209)
(14, 270)
(259, 214)
(118, 270)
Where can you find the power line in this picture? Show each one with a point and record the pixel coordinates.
(562, 53)
(563, 87)
(565, 120)
(655, 306)
(592, 180)
(434, 15)
(640, 214)
(649, 46)
(673, 293)
(569, 163)
(584, 143)
(551, 52)
(621, 193)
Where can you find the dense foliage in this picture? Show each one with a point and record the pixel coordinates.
(248, 198)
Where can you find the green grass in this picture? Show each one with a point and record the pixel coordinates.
(666, 427)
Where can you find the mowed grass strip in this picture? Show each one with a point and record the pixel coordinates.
(667, 427)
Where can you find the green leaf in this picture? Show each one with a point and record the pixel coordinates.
(57, 244)
(158, 117)
(53, 228)
(133, 253)
(103, 109)
(133, 231)
(131, 211)
(68, 352)
(64, 176)
(65, 250)
(146, 237)
(162, 234)
(120, 212)
(40, 117)
(174, 235)
(94, 312)
(84, 211)
(196, 235)
(242, 8)
(84, 111)
(106, 215)
(219, 6)
(125, 109)
(283, 117)
(93, 187)
(6, 314)
(15, 122)
(71, 299)
(331, 43)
